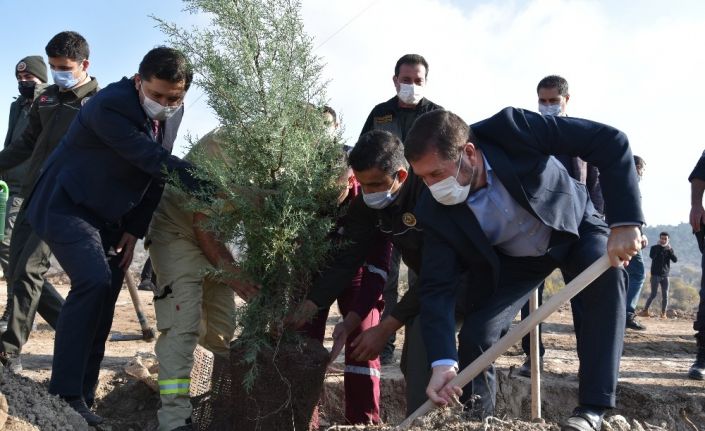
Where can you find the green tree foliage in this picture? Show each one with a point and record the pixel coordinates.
(278, 175)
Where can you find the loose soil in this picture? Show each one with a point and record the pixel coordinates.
(653, 387)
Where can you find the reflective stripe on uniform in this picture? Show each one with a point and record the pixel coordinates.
(353, 369)
(373, 269)
(174, 386)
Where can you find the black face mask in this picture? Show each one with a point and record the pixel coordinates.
(26, 89)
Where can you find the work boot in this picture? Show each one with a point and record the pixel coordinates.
(663, 315)
(697, 370)
(525, 369)
(11, 361)
(82, 409)
(644, 313)
(632, 323)
(584, 418)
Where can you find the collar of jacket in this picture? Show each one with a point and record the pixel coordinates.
(78, 92)
(394, 104)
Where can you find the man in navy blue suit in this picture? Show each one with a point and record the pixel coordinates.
(96, 196)
(502, 208)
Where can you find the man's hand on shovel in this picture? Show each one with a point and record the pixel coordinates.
(623, 243)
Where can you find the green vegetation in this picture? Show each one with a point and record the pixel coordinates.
(685, 274)
(279, 186)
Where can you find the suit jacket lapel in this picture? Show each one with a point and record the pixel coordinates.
(466, 220)
(171, 128)
(503, 169)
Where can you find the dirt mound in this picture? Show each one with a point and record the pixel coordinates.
(31, 407)
(453, 420)
(127, 404)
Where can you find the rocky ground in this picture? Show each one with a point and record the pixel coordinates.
(654, 392)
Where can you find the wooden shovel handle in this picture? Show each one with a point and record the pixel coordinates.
(513, 336)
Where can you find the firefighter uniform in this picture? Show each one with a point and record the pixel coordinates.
(190, 308)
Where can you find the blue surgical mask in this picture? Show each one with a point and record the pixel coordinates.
(380, 200)
(553, 109)
(64, 79)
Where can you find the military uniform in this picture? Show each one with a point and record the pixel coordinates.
(18, 121)
(49, 119)
(190, 309)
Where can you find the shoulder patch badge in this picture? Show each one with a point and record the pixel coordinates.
(383, 119)
(408, 219)
(21, 66)
(84, 100)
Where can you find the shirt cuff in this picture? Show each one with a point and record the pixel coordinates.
(627, 223)
(448, 362)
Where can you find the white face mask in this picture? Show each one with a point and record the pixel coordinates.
(410, 93)
(554, 109)
(449, 191)
(380, 200)
(157, 111)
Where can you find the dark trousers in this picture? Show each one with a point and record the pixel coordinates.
(12, 207)
(599, 333)
(656, 281)
(635, 271)
(526, 341)
(32, 293)
(699, 323)
(390, 293)
(87, 256)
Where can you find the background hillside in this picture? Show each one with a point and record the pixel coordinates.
(685, 274)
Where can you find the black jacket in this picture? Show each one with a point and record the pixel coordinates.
(389, 116)
(661, 259)
(360, 232)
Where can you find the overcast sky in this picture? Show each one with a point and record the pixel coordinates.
(636, 65)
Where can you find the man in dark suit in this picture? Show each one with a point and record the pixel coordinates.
(96, 196)
(502, 208)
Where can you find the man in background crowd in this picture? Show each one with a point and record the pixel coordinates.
(31, 76)
(396, 116)
(661, 255)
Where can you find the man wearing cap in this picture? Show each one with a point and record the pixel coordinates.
(31, 75)
(49, 119)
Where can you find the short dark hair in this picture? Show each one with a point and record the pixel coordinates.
(554, 81)
(377, 149)
(68, 44)
(168, 64)
(664, 234)
(411, 59)
(638, 161)
(328, 110)
(441, 130)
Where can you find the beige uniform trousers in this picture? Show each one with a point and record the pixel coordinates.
(194, 310)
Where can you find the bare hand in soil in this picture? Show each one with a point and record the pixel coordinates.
(340, 335)
(623, 243)
(439, 390)
(341, 332)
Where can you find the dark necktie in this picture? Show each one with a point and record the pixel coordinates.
(155, 130)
